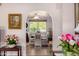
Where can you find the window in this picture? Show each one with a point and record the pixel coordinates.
(39, 25)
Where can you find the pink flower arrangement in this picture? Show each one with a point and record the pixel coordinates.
(70, 43)
(11, 39)
(66, 37)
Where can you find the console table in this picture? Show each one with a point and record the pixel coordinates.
(17, 48)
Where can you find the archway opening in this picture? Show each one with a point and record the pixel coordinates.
(39, 33)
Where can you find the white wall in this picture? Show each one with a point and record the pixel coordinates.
(66, 21)
(5, 9)
(68, 18)
(62, 18)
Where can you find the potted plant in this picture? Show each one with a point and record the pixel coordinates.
(11, 40)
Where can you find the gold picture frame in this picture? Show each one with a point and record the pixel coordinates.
(76, 5)
(14, 21)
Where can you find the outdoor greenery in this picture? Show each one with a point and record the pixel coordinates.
(34, 26)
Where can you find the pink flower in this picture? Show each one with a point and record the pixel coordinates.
(7, 36)
(62, 37)
(69, 37)
(14, 36)
(78, 43)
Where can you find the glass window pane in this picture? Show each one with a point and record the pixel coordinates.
(42, 26)
(34, 26)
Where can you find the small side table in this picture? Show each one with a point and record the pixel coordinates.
(16, 48)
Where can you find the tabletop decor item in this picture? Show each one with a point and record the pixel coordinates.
(69, 44)
(11, 40)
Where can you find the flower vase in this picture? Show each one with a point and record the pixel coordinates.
(11, 46)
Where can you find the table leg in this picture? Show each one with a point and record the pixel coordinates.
(4, 53)
(0, 53)
(20, 52)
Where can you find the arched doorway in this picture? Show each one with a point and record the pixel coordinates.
(39, 21)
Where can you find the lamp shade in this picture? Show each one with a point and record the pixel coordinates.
(77, 29)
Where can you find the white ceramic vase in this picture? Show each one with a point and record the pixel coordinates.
(11, 46)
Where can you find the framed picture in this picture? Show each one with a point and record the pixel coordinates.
(76, 14)
(14, 21)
